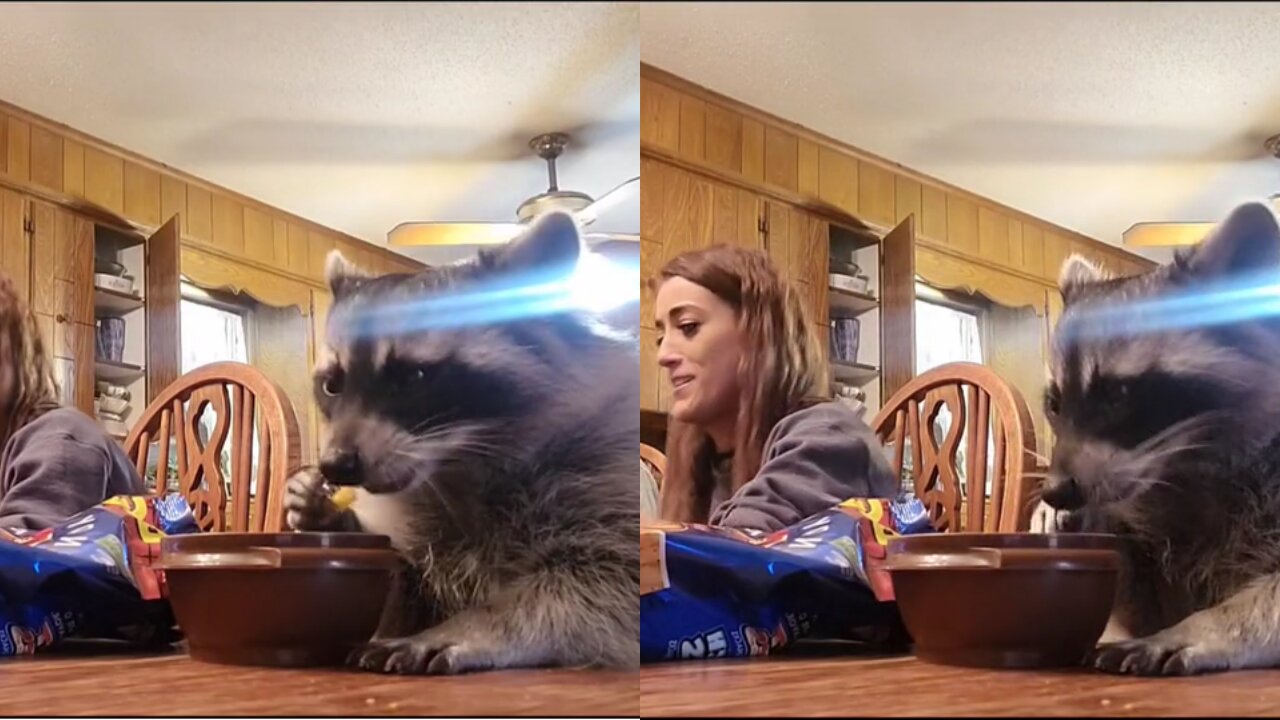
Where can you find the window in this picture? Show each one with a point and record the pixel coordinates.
(212, 330)
(946, 330)
(949, 328)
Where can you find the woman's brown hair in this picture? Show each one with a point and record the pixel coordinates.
(775, 374)
(27, 386)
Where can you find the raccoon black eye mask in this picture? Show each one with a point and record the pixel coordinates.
(1165, 405)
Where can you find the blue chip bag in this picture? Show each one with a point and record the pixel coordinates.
(711, 592)
(90, 576)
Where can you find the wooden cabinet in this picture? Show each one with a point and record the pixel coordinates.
(164, 307)
(52, 253)
(898, 305)
(61, 280)
(15, 243)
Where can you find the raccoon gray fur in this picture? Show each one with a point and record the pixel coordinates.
(1166, 416)
(498, 456)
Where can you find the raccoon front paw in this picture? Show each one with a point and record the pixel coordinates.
(307, 506)
(1046, 519)
(433, 652)
(1169, 652)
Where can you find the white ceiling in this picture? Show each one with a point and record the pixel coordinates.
(358, 116)
(1093, 116)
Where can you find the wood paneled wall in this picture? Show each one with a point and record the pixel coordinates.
(54, 157)
(687, 122)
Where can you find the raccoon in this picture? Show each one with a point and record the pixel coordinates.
(497, 453)
(1165, 401)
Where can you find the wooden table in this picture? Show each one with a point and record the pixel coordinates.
(815, 683)
(127, 684)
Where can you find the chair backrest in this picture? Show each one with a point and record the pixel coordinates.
(964, 487)
(245, 404)
(656, 461)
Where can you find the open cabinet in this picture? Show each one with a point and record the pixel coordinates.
(869, 334)
(101, 295)
(135, 322)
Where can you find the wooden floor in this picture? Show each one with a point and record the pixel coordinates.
(129, 685)
(877, 686)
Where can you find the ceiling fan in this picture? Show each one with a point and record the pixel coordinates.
(1170, 234)
(582, 206)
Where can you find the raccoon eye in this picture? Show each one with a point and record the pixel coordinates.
(332, 385)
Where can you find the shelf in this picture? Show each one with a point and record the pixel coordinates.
(118, 373)
(113, 303)
(856, 374)
(852, 239)
(849, 303)
(115, 240)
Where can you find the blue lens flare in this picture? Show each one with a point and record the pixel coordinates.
(596, 284)
(1255, 297)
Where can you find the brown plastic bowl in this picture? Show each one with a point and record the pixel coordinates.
(1013, 600)
(278, 599)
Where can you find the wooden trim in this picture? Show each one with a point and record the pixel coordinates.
(678, 83)
(89, 211)
(958, 273)
(811, 205)
(959, 256)
(223, 271)
(107, 217)
(206, 249)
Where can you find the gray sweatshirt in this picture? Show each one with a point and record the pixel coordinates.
(813, 459)
(57, 465)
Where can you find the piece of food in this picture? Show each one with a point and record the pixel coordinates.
(344, 497)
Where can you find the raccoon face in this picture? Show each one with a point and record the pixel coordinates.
(410, 386)
(1151, 373)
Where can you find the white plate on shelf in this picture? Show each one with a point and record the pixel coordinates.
(848, 283)
(116, 284)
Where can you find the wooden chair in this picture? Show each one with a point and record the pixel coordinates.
(656, 461)
(243, 400)
(980, 404)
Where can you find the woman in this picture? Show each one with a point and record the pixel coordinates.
(54, 461)
(743, 449)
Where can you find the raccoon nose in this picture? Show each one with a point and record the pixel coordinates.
(341, 467)
(1063, 494)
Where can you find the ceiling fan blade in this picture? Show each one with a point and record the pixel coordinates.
(590, 213)
(412, 234)
(593, 238)
(1158, 234)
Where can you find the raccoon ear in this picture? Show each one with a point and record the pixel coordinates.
(1077, 272)
(1247, 240)
(341, 274)
(552, 243)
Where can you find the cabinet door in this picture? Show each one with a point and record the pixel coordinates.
(164, 307)
(898, 306)
(810, 250)
(61, 254)
(777, 236)
(751, 220)
(15, 242)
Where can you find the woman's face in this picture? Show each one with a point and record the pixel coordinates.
(699, 346)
